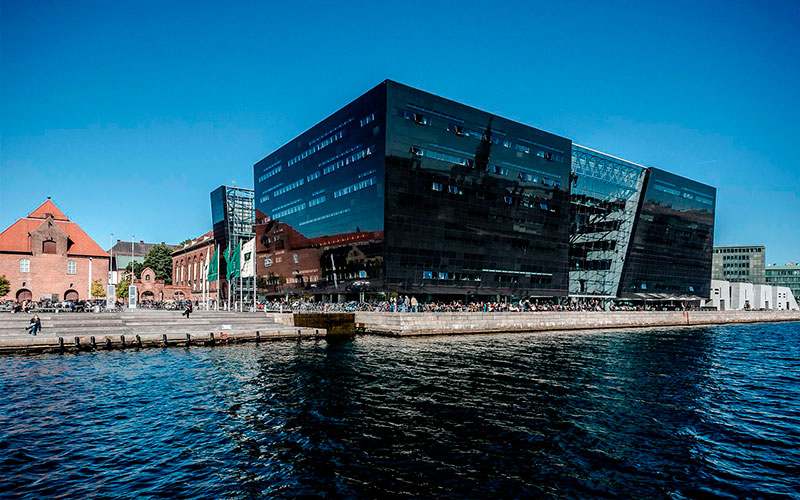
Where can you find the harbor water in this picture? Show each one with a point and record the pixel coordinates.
(653, 413)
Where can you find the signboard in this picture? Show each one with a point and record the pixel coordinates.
(132, 297)
(111, 294)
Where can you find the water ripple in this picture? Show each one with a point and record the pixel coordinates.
(679, 413)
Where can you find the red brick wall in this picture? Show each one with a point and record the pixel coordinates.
(185, 261)
(48, 274)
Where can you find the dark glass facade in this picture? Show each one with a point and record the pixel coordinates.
(232, 218)
(605, 193)
(673, 236)
(476, 204)
(404, 191)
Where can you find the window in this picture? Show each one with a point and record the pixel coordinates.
(72, 267)
(296, 258)
(427, 275)
(267, 262)
(437, 186)
(24, 265)
(49, 246)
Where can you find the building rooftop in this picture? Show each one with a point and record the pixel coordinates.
(16, 238)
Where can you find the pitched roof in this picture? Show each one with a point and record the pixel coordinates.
(48, 207)
(139, 247)
(203, 239)
(16, 238)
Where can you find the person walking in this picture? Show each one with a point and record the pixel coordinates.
(35, 326)
(188, 310)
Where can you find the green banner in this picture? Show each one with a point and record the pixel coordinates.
(232, 260)
(213, 268)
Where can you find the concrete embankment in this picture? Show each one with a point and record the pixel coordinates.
(138, 329)
(407, 324)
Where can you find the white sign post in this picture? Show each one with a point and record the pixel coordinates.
(132, 297)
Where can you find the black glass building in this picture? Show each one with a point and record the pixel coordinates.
(671, 245)
(404, 191)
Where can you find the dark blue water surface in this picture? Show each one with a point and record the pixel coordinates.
(675, 413)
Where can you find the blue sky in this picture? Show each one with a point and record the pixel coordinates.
(129, 113)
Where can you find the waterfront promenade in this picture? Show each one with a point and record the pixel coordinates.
(141, 328)
(405, 324)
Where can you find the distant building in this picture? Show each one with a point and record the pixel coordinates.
(787, 275)
(188, 265)
(148, 288)
(734, 296)
(233, 217)
(47, 256)
(739, 264)
(125, 251)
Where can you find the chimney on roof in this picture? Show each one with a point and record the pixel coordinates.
(141, 241)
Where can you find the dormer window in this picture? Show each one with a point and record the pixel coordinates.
(49, 246)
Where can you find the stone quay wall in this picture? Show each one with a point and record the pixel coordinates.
(403, 324)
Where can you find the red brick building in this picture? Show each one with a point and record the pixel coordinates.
(46, 255)
(292, 263)
(148, 288)
(188, 263)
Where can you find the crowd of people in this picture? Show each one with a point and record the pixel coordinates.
(408, 304)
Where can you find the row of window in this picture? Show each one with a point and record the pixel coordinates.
(25, 266)
(737, 265)
(739, 250)
(289, 187)
(334, 129)
(736, 273)
(367, 119)
(358, 155)
(323, 217)
(298, 200)
(509, 200)
(495, 137)
(495, 169)
(736, 257)
(355, 187)
(294, 209)
(272, 172)
(316, 147)
(429, 275)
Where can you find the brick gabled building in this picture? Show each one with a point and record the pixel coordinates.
(47, 256)
(188, 264)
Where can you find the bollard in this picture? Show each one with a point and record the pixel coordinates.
(78, 343)
(188, 339)
(92, 343)
(211, 338)
(316, 333)
(164, 339)
(299, 334)
(258, 336)
(139, 342)
(108, 343)
(122, 340)
(61, 343)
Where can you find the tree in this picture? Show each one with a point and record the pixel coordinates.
(138, 267)
(122, 289)
(159, 259)
(5, 286)
(97, 289)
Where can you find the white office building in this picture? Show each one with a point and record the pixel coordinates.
(727, 296)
